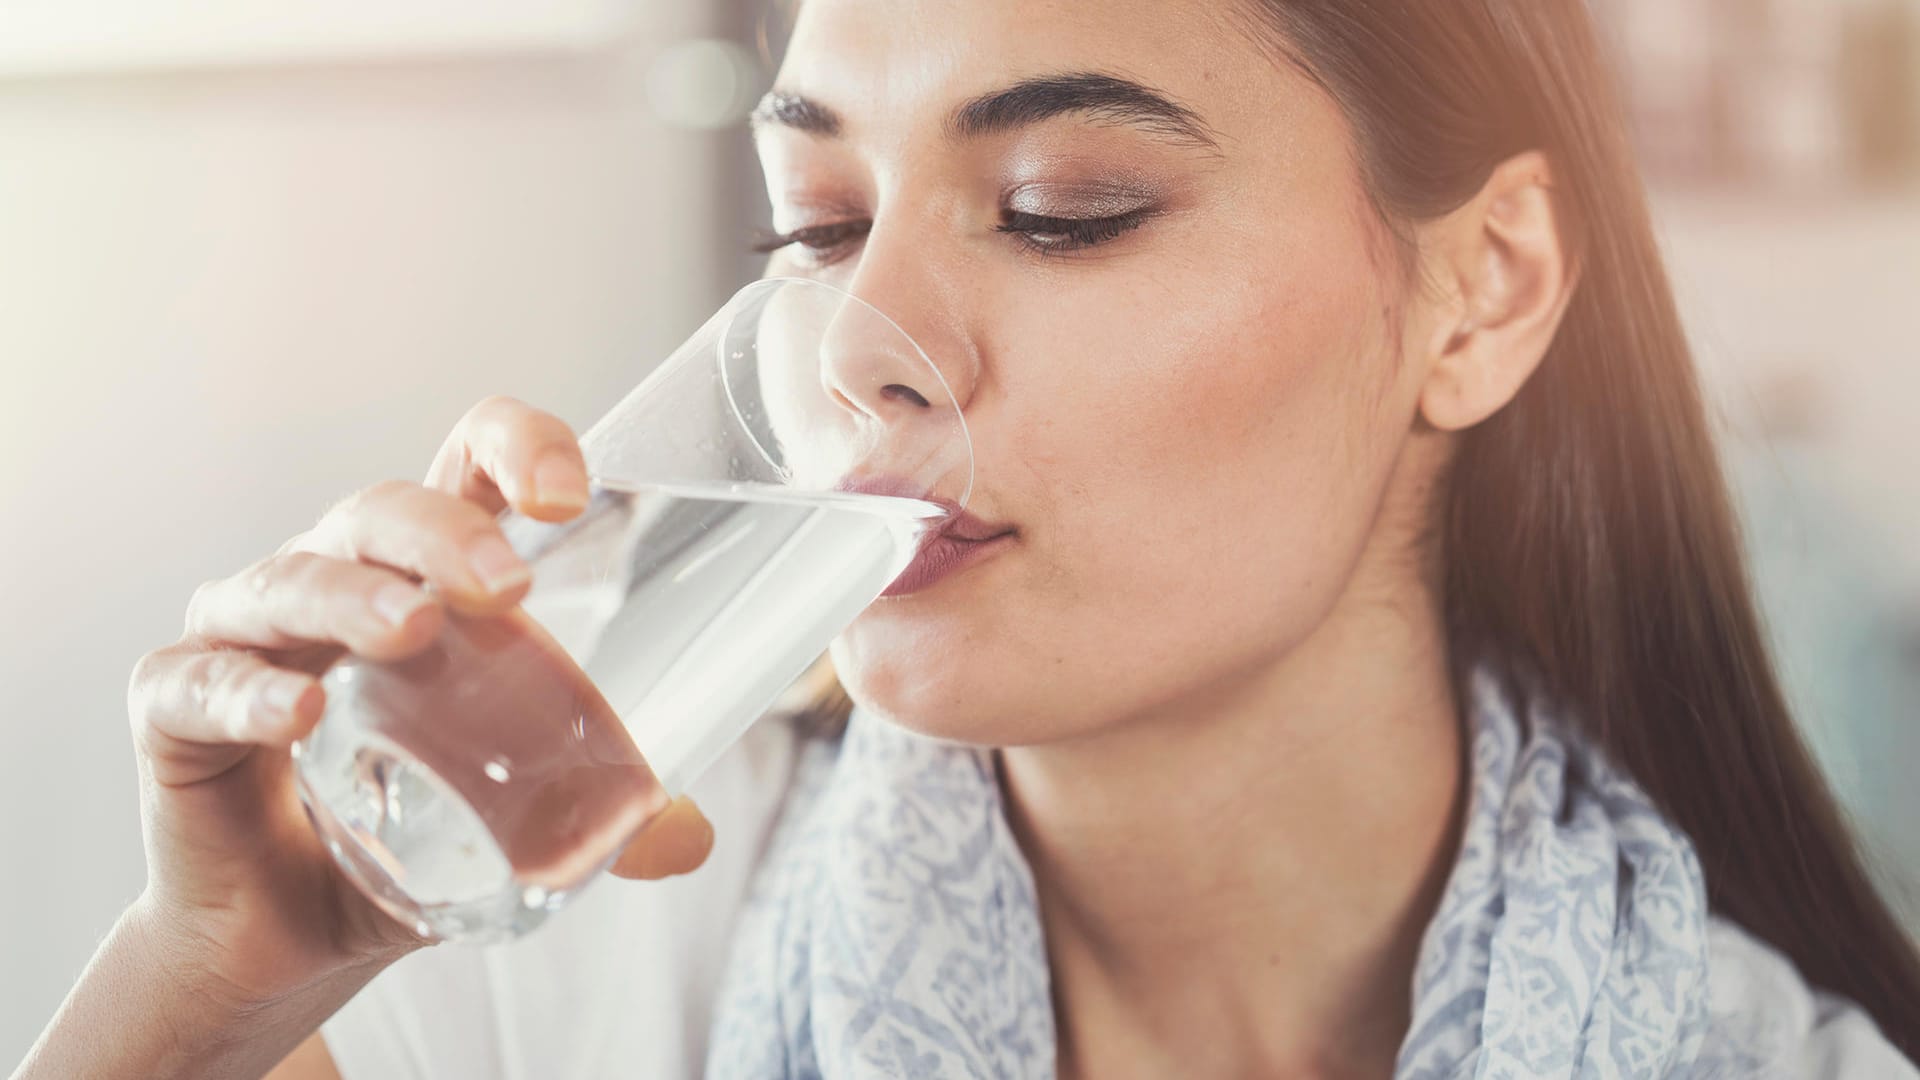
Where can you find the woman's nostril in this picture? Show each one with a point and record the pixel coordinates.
(897, 392)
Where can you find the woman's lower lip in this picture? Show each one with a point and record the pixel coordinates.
(940, 558)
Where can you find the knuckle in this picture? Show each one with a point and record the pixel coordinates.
(368, 500)
(300, 541)
(447, 546)
(298, 570)
(221, 680)
(309, 592)
(466, 522)
(492, 409)
(266, 581)
(513, 429)
(346, 524)
(442, 517)
(171, 685)
(443, 528)
(198, 605)
(213, 670)
(249, 678)
(545, 431)
(385, 493)
(262, 577)
(203, 592)
(147, 673)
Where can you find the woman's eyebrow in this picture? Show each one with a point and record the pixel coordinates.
(783, 109)
(1103, 97)
(1100, 96)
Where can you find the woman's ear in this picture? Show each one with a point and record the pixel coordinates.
(1501, 265)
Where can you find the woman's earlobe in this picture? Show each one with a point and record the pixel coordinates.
(1505, 254)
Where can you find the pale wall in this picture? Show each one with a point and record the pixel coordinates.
(229, 298)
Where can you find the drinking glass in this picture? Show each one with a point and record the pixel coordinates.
(750, 498)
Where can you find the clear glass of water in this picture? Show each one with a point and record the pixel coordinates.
(750, 498)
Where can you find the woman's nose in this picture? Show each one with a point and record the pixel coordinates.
(906, 414)
(896, 350)
(870, 365)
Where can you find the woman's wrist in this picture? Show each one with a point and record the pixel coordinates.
(150, 1005)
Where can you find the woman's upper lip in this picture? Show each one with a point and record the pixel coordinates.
(962, 525)
(959, 524)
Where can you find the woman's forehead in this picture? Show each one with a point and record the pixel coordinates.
(876, 62)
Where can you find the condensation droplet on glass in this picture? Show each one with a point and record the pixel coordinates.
(580, 727)
(738, 355)
(496, 771)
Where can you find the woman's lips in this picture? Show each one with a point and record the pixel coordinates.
(958, 541)
(942, 554)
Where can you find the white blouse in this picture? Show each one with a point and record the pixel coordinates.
(620, 984)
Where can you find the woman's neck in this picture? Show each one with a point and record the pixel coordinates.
(1239, 886)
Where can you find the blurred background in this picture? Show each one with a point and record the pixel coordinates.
(254, 257)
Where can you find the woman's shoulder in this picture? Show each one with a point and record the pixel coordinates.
(1764, 1020)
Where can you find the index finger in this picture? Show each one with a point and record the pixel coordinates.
(506, 453)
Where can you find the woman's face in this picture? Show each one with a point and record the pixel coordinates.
(1140, 251)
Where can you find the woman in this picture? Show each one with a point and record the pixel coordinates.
(1365, 683)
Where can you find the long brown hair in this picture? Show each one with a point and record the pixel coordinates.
(1589, 538)
(1590, 542)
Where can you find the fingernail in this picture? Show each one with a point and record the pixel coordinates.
(396, 603)
(496, 565)
(557, 481)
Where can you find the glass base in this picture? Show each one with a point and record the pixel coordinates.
(399, 819)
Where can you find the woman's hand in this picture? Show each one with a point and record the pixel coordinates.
(247, 936)
(237, 878)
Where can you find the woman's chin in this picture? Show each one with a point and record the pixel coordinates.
(946, 670)
(938, 705)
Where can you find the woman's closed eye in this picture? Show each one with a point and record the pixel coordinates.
(1055, 235)
(823, 244)
(828, 243)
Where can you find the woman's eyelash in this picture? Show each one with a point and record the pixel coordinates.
(1037, 231)
(819, 240)
(1057, 234)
